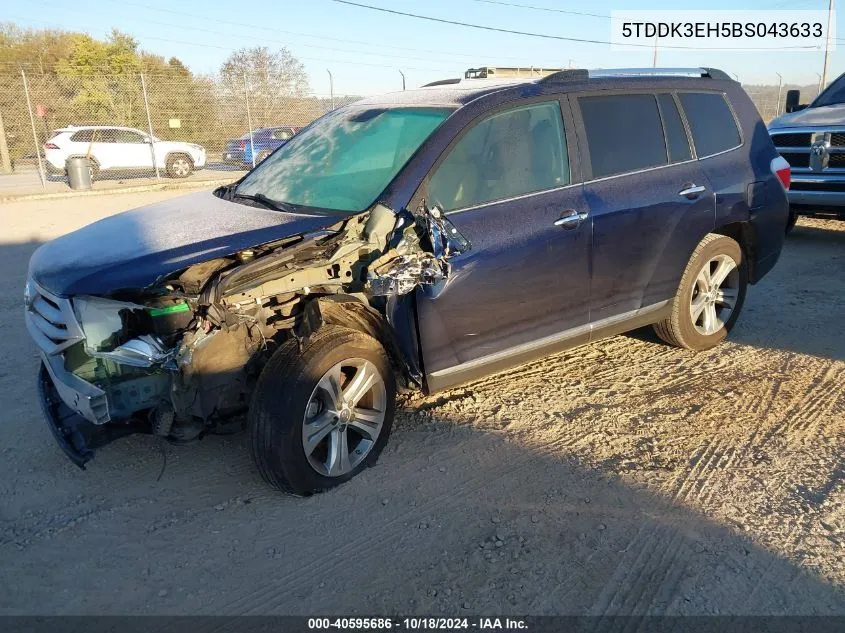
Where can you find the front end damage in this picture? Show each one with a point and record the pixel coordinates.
(179, 358)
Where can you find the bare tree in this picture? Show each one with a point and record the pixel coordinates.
(273, 79)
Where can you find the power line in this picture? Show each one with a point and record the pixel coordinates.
(232, 49)
(548, 36)
(547, 9)
(309, 35)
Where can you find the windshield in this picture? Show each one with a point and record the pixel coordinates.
(833, 94)
(343, 161)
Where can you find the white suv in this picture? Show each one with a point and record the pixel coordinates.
(121, 149)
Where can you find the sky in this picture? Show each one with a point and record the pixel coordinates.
(365, 50)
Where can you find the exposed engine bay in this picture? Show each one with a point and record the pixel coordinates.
(178, 358)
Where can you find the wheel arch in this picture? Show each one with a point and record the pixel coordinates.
(743, 233)
(177, 152)
(353, 313)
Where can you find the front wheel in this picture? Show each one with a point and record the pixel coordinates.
(322, 411)
(709, 297)
(179, 166)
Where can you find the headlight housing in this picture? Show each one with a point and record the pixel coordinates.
(104, 322)
(114, 330)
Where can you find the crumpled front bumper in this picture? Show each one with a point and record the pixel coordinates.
(66, 410)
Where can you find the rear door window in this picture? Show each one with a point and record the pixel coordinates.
(83, 136)
(509, 154)
(677, 143)
(624, 133)
(711, 122)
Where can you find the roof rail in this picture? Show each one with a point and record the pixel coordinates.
(442, 82)
(712, 73)
(573, 74)
(582, 74)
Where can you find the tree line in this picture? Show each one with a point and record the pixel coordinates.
(76, 79)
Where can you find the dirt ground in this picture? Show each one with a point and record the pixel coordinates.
(626, 477)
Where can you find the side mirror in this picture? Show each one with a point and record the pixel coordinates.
(792, 101)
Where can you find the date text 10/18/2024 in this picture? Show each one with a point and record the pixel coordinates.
(416, 624)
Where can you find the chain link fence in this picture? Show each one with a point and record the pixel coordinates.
(770, 99)
(172, 107)
(175, 110)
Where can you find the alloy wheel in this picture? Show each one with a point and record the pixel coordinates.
(181, 167)
(715, 294)
(344, 417)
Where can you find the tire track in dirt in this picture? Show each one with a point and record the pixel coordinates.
(262, 600)
(651, 568)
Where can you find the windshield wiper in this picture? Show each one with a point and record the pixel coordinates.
(263, 200)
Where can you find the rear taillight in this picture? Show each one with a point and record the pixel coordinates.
(781, 169)
(51, 146)
(242, 145)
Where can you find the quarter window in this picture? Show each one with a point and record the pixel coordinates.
(624, 133)
(711, 122)
(509, 154)
(677, 143)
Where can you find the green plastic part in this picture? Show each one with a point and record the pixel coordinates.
(179, 307)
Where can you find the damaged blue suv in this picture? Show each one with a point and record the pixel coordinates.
(417, 240)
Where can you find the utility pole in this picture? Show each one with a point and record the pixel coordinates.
(249, 120)
(821, 79)
(34, 134)
(403, 78)
(150, 126)
(826, 46)
(654, 57)
(780, 86)
(331, 87)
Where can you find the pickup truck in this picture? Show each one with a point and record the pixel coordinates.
(812, 140)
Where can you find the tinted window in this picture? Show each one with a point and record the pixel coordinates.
(83, 136)
(624, 133)
(676, 136)
(127, 136)
(508, 154)
(711, 122)
(105, 135)
(833, 94)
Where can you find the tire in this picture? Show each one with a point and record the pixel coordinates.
(262, 156)
(179, 166)
(713, 321)
(292, 401)
(790, 222)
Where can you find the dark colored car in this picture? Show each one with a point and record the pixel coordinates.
(239, 151)
(420, 240)
(812, 140)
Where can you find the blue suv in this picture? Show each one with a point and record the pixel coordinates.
(239, 151)
(419, 240)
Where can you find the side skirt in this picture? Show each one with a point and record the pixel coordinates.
(527, 352)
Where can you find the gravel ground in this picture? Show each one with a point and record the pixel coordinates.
(625, 477)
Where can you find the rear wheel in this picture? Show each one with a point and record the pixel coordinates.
(262, 156)
(709, 297)
(322, 412)
(179, 166)
(790, 222)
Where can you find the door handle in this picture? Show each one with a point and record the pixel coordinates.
(691, 190)
(571, 219)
